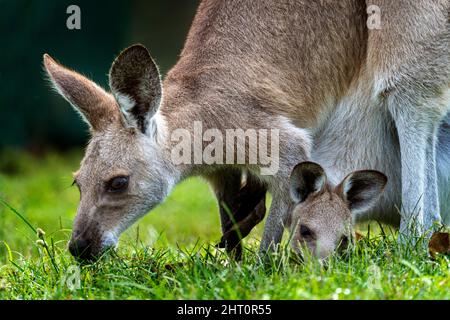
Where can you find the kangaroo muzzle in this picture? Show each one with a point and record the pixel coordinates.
(90, 243)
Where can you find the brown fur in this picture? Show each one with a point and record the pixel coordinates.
(253, 54)
(96, 105)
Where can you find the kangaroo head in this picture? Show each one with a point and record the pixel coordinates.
(322, 219)
(122, 175)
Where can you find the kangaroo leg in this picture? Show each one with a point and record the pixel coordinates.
(411, 71)
(241, 204)
(431, 190)
(443, 168)
(420, 200)
(418, 112)
(289, 146)
(249, 209)
(275, 224)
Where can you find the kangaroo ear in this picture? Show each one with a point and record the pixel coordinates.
(97, 107)
(306, 178)
(136, 84)
(362, 189)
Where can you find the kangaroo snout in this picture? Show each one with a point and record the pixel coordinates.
(89, 244)
(80, 248)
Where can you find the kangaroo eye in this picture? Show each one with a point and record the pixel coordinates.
(306, 232)
(75, 183)
(117, 184)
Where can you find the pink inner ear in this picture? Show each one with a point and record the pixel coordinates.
(97, 107)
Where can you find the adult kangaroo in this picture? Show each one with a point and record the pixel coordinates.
(311, 71)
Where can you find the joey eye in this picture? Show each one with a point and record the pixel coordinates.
(117, 184)
(344, 241)
(306, 232)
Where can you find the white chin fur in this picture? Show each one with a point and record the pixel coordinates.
(109, 240)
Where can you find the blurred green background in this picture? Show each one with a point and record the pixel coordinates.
(32, 116)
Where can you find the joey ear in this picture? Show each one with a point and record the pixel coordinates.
(97, 107)
(136, 84)
(306, 178)
(362, 189)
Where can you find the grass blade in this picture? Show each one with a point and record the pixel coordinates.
(18, 214)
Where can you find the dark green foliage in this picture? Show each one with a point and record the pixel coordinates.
(33, 116)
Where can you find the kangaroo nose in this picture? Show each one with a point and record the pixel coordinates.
(80, 248)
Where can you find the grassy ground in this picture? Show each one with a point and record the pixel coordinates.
(170, 254)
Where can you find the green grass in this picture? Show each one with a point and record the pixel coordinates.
(170, 254)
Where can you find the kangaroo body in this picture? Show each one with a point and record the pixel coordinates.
(318, 66)
(339, 93)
